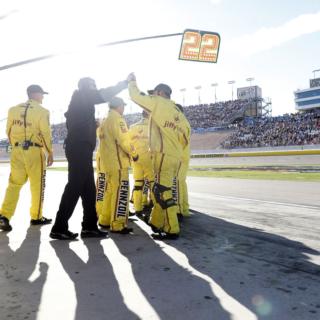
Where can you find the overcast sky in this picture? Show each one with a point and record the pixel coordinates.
(276, 42)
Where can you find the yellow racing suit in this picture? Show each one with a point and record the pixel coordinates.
(29, 133)
(142, 168)
(114, 151)
(101, 182)
(167, 141)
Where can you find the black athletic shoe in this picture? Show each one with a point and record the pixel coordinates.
(146, 217)
(155, 229)
(67, 235)
(165, 236)
(96, 233)
(40, 221)
(139, 214)
(4, 224)
(123, 231)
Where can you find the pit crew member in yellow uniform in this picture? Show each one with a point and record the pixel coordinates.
(115, 151)
(29, 133)
(101, 183)
(167, 141)
(142, 168)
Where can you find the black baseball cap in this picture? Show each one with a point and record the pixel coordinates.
(34, 88)
(116, 102)
(161, 87)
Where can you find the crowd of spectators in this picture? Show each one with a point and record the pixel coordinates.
(59, 133)
(215, 114)
(4, 143)
(294, 129)
(288, 130)
(132, 118)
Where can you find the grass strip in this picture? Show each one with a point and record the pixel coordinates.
(257, 175)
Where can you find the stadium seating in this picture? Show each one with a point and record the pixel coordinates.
(288, 130)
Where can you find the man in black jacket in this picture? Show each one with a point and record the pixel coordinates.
(79, 146)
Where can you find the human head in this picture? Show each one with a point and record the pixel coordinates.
(35, 92)
(117, 104)
(86, 84)
(162, 90)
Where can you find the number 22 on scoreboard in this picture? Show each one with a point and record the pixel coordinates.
(200, 46)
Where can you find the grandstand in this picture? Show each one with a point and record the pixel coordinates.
(288, 130)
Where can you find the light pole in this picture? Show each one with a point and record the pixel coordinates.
(183, 90)
(314, 73)
(199, 89)
(252, 95)
(214, 85)
(232, 82)
(250, 80)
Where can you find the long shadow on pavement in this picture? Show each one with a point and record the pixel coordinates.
(19, 297)
(270, 275)
(172, 291)
(97, 290)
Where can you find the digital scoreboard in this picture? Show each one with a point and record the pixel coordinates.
(202, 46)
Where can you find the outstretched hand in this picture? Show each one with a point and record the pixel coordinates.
(50, 160)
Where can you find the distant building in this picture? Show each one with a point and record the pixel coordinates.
(307, 99)
(253, 95)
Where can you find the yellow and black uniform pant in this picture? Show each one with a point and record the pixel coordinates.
(25, 164)
(164, 212)
(182, 189)
(115, 208)
(101, 186)
(143, 181)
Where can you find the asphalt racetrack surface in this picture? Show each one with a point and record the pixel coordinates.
(250, 250)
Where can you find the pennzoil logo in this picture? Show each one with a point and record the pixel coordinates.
(175, 190)
(123, 202)
(146, 187)
(43, 185)
(101, 186)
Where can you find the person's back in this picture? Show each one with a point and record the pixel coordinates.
(80, 119)
(139, 136)
(142, 168)
(165, 128)
(28, 130)
(37, 127)
(115, 150)
(80, 116)
(112, 152)
(167, 141)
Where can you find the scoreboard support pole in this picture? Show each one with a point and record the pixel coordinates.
(49, 56)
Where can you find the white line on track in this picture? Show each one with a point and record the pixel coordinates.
(212, 195)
